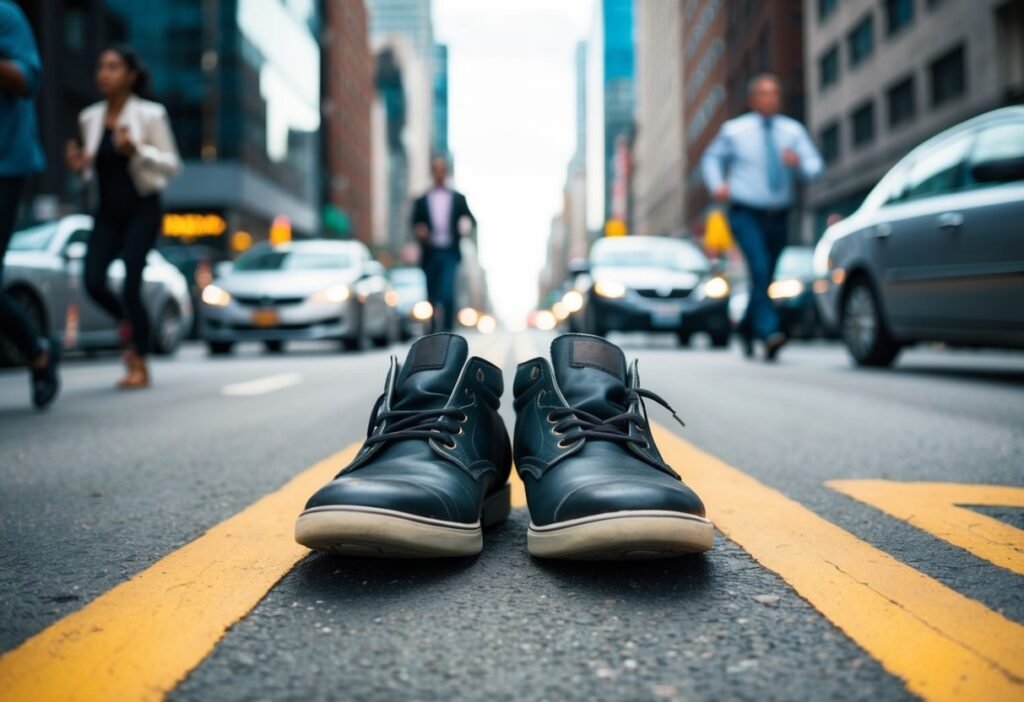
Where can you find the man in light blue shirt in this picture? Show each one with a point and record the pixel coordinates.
(752, 166)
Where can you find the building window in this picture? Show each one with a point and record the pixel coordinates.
(828, 68)
(949, 77)
(826, 8)
(898, 15)
(902, 102)
(862, 40)
(830, 143)
(862, 120)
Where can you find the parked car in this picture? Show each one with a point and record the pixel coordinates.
(414, 312)
(656, 284)
(302, 290)
(935, 252)
(43, 272)
(791, 292)
(197, 263)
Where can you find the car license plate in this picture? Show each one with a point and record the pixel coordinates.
(665, 317)
(265, 318)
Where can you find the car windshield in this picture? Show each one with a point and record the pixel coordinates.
(288, 259)
(674, 255)
(34, 238)
(795, 263)
(407, 278)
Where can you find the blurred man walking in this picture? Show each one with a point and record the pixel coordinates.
(751, 166)
(440, 218)
(20, 157)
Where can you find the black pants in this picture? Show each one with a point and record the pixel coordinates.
(129, 234)
(441, 268)
(13, 322)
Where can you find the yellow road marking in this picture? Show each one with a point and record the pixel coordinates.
(936, 508)
(140, 639)
(943, 645)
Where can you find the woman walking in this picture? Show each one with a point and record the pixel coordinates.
(129, 151)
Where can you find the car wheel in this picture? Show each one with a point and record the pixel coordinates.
(220, 348)
(720, 341)
(863, 327)
(274, 346)
(167, 333)
(10, 355)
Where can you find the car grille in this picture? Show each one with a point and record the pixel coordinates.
(665, 294)
(264, 301)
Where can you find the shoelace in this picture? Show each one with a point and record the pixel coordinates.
(575, 424)
(414, 424)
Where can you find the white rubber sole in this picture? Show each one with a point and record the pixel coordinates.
(627, 535)
(384, 533)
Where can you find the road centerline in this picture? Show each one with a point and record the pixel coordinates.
(138, 640)
(942, 644)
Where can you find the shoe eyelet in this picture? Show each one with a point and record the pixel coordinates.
(450, 446)
(480, 374)
(463, 418)
(534, 373)
(551, 420)
(562, 445)
(459, 432)
(469, 393)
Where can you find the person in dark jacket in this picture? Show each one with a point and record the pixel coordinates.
(440, 218)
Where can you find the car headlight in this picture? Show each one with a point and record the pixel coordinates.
(609, 288)
(332, 295)
(573, 301)
(716, 288)
(422, 311)
(215, 296)
(391, 298)
(785, 289)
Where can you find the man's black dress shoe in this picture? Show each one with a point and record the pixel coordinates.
(434, 467)
(596, 485)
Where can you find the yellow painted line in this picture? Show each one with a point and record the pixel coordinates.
(140, 639)
(943, 645)
(936, 508)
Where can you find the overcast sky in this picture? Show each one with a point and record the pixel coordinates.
(512, 127)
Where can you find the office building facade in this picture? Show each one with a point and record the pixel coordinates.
(348, 97)
(884, 76)
(660, 160)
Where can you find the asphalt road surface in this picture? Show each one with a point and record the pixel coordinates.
(145, 541)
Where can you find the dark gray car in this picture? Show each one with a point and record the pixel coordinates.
(936, 251)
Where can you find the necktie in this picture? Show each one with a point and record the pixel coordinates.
(773, 158)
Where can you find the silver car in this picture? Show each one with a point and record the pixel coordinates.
(936, 251)
(43, 272)
(303, 290)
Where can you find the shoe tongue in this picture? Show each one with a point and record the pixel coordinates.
(430, 371)
(591, 373)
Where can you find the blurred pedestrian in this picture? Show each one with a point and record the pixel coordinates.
(751, 166)
(20, 157)
(130, 153)
(440, 218)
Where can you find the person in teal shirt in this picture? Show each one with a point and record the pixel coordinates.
(21, 156)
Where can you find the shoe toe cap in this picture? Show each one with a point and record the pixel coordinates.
(390, 494)
(619, 496)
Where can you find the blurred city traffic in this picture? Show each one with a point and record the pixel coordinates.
(223, 221)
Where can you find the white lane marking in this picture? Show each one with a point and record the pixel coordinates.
(262, 386)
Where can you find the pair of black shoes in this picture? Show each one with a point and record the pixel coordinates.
(435, 466)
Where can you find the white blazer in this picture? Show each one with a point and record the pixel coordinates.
(156, 158)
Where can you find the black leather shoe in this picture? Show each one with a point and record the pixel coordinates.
(434, 467)
(46, 380)
(596, 486)
(773, 344)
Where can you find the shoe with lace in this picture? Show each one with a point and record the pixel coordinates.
(596, 486)
(434, 467)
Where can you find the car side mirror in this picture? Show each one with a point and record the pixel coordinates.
(75, 251)
(1002, 170)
